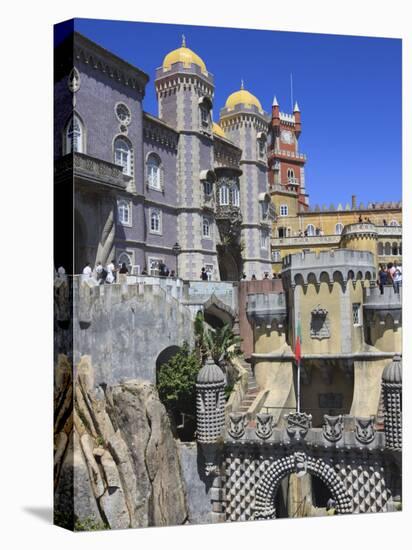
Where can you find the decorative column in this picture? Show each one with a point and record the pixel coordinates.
(210, 403)
(392, 402)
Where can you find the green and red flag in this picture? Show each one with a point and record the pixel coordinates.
(298, 344)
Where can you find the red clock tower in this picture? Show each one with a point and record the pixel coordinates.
(286, 164)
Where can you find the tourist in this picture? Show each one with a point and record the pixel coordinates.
(61, 272)
(317, 231)
(382, 277)
(306, 232)
(123, 269)
(144, 272)
(203, 274)
(111, 270)
(253, 277)
(385, 222)
(391, 272)
(87, 272)
(100, 273)
(397, 278)
(274, 276)
(360, 219)
(266, 275)
(243, 276)
(173, 274)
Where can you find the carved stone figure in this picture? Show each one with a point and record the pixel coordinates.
(332, 427)
(237, 425)
(301, 464)
(364, 430)
(264, 425)
(298, 424)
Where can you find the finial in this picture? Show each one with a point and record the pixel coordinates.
(242, 84)
(275, 102)
(296, 108)
(183, 41)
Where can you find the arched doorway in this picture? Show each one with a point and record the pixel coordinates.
(267, 498)
(164, 357)
(228, 267)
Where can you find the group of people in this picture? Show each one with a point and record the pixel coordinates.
(103, 274)
(390, 274)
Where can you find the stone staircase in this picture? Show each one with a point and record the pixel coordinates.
(252, 392)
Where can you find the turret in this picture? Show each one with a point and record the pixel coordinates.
(275, 113)
(392, 403)
(210, 403)
(298, 125)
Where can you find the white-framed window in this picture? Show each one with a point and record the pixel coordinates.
(206, 228)
(123, 113)
(264, 241)
(124, 212)
(291, 175)
(204, 115)
(356, 314)
(338, 228)
(284, 210)
(209, 271)
(224, 195)
(74, 136)
(153, 266)
(123, 154)
(394, 223)
(74, 80)
(155, 221)
(154, 171)
(310, 230)
(276, 256)
(235, 195)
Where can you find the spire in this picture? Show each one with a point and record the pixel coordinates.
(275, 102)
(242, 84)
(296, 108)
(183, 41)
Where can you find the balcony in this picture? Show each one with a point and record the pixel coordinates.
(306, 241)
(263, 309)
(91, 170)
(282, 153)
(389, 231)
(360, 229)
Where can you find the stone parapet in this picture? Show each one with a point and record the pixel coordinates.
(360, 229)
(263, 309)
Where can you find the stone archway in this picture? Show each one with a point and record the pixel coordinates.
(265, 501)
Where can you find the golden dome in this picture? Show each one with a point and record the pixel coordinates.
(183, 55)
(218, 130)
(244, 97)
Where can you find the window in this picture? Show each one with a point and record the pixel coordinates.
(263, 239)
(207, 187)
(126, 258)
(356, 314)
(338, 228)
(155, 221)
(205, 107)
(209, 271)
(235, 195)
(123, 113)
(291, 175)
(154, 171)
(224, 195)
(380, 249)
(123, 155)
(262, 147)
(74, 135)
(394, 249)
(284, 210)
(124, 214)
(154, 266)
(264, 209)
(276, 256)
(206, 230)
(204, 116)
(388, 249)
(394, 223)
(74, 80)
(310, 230)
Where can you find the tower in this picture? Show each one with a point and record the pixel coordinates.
(246, 124)
(185, 89)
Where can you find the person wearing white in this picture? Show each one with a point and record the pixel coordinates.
(61, 272)
(110, 272)
(87, 272)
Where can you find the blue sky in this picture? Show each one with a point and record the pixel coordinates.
(348, 89)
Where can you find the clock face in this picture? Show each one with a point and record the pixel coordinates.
(286, 136)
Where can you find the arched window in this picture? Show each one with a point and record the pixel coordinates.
(155, 221)
(394, 249)
(264, 240)
(338, 228)
(276, 256)
(283, 210)
(126, 258)
(380, 249)
(291, 175)
(124, 212)
(123, 155)
(206, 227)
(235, 195)
(394, 223)
(224, 195)
(310, 230)
(205, 107)
(388, 249)
(74, 136)
(154, 171)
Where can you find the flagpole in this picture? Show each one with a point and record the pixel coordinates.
(298, 388)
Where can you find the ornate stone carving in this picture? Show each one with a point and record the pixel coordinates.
(301, 463)
(332, 427)
(264, 425)
(364, 430)
(237, 425)
(319, 324)
(298, 424)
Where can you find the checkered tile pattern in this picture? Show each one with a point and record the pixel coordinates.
(365, 483)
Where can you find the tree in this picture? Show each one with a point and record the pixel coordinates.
(177, 381)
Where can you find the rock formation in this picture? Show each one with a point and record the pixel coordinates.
(116, 461)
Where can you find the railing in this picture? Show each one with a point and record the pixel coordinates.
(356, 228)
(100, 171)
(389, 230)
(284, 153)
(310, 240)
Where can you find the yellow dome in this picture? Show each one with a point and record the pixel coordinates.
(244, 97)
(183, 55)
(218, 130)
